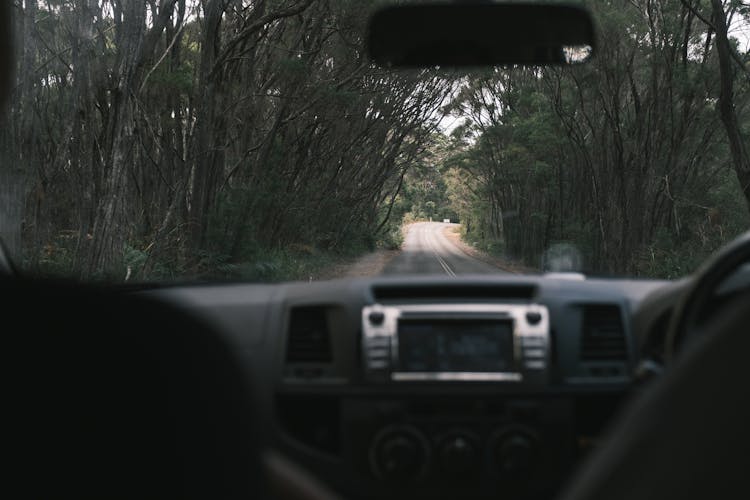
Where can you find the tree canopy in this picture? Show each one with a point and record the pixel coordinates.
(156, 139)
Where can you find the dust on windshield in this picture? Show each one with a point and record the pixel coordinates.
(167, 140)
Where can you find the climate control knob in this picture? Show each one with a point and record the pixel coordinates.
(458, 455)
(515, 452)
(399, 453)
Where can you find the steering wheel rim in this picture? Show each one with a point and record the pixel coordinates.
(691, 306)
(685, 435)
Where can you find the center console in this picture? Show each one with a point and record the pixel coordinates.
(456, 343)
(463, 406)
(449, 395)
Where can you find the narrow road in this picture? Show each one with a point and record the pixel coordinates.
(426, 250)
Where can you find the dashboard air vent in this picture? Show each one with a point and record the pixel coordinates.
(603, 337)
(308, 339)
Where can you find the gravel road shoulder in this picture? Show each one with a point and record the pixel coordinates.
(370, 264)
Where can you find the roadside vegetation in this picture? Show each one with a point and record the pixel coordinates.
(173, 139)
(638, 159)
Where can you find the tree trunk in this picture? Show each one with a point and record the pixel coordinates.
(737, 143)
(206, 128)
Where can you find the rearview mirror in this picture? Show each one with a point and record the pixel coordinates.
(481, 34)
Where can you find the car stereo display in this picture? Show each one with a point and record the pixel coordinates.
(429, 345)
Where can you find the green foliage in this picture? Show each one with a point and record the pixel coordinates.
(134, 258)
(178, 80)
(53, 259)
(624, 158)
(392, 239)
(424, 195)
(272, 265)
(271, 155)
(204, 149)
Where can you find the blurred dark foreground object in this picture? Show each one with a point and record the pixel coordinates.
(116, 396)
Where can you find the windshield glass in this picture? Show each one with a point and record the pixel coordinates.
(184, 140)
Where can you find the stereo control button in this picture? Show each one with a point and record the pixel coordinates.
(533, 317)
(378, 342)
(534, 365)
(532, 341)
(534, 353)
(376, 317)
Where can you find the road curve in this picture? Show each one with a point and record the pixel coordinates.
(426, 250)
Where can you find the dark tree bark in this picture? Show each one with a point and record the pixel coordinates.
(737, 142)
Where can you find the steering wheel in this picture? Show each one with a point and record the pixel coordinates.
(691, 310)
(686, 434)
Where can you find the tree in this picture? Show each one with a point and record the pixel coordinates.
(620, 156)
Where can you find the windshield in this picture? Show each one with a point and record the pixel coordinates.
(183, 140)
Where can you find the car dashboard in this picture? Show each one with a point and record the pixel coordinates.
(432, 387)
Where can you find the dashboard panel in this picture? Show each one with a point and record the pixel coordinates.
(374, 420)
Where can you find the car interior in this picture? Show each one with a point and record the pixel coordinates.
(551, 386)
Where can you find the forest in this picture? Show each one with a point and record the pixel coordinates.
(155, 140)
(638, 158)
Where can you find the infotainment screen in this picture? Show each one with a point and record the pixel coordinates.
(455, 345)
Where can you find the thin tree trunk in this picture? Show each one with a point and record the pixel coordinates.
(737, 143)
